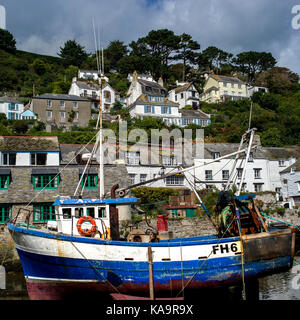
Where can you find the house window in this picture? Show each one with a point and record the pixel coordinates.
(132, 158)
(13, 116)
(225, 174)
(148, 109)
(143, 177)
(49, 114)
(281, 163)
(62, 104)
(164, 110)
(4, 182)
(9, 159)
(90, 181)
(43, 212)
(224, 84)
(38, 159)
(49, 103)
(258, 187)
(107, 95)
(239, 172)
(62, 115)
(174, 180)
(132, 178)
(298, 185)
(239, 86)
(232, 85)
(5, 212)
(209, 187)
(169, 161)
(208, 175)
(47, 181)
(250, 159)
(175, 97)
(75, 104)
(257, 173)
(216, 155)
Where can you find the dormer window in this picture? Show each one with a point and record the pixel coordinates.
(38, 159)
(9, 158)
(250, 159)
(216, 155)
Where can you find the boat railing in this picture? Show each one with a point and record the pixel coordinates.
(62, 217)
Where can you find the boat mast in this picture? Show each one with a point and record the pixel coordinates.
(101, 164)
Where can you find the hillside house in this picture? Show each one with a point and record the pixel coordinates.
(11, 107)
(185, 94)
(222, 88)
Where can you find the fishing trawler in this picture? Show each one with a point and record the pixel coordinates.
(82, 252)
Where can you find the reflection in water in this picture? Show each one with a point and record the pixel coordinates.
(282, 286)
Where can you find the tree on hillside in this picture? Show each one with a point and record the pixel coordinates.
(278, 80)
(156, 50)
(187, 52)
(73, 53)
(7, 41)
(252, 62)
(213, 58)
(115, 51)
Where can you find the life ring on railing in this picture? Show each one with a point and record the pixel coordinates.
(91, 231)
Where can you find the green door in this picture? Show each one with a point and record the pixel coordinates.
(189, 213)
(174, 213)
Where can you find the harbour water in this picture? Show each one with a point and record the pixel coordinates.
(281, 286)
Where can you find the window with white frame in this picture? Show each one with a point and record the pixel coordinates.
(281, 163)
(143, 177)
(250, 159)
(49, 114)
(132, 158)
(216, 155)
(169, 160)
(62, 103)
(298, 185)
(258, 187)
(38, 159)
(62, 115)
(257, 173)
(75, 104)
(225, 174)
(9, 158)
(176, 180)
(239, 172)
(132, 178)
(49, 103)
(208, 175)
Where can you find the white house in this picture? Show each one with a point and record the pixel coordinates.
(253, 89)
(290, 180)
(262, 170)
(90, 75)
(11, 107)
(185, 94)
(92, 91)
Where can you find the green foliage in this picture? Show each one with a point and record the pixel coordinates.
(73, 53)
(148, 194)
(7, 41)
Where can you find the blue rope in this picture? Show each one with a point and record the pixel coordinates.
(290, 224)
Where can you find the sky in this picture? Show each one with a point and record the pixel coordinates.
(231, 25)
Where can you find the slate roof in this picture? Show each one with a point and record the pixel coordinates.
(188, 113)
(227, 79)
(156, 89)
(26, 143)
(52, 96)
(9, 99)
(296, 167)
(142, 99)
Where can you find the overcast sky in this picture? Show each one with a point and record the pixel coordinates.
(232, 25)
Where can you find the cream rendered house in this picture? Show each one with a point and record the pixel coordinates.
(221, 88)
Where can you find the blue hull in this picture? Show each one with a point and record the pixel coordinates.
(55, 277)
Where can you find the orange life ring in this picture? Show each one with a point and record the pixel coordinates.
(90, 232)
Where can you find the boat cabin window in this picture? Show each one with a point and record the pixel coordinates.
(90, 212)
(66, 213)
(101, 213)
(78, 212)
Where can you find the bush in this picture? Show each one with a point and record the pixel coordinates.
(280, 211)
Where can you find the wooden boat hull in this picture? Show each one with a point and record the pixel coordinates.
(58, 267)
